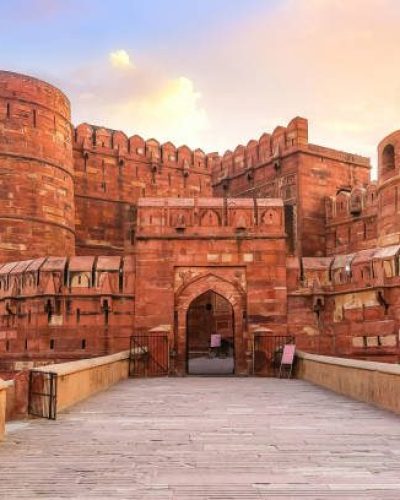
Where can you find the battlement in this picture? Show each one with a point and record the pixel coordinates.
(282, 141)
(91, 138)
(270, 148)
(209, 217)
(95, 139)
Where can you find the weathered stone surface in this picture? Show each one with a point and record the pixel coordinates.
(37, 205)
(293, 235)
(204, 438)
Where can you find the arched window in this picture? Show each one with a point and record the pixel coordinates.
(388, 157)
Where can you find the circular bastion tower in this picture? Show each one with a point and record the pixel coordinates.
(37, 212)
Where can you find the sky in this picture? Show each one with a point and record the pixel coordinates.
(216, 73)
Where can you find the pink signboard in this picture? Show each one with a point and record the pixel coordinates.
(215, 340)
(288, 354)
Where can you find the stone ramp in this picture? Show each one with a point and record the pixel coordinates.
(206, 438)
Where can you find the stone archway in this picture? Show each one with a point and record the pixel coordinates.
(233, 293)
(210, 317)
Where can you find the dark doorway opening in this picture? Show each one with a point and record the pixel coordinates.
(210, 336)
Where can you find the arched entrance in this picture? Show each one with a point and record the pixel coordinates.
(210, 335)
(229, 288)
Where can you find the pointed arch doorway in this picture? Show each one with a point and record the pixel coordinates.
(210, 342)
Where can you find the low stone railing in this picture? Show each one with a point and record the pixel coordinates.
(4, 387)
(77, 380)
(375, 383)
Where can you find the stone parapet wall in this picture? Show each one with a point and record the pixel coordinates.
(3, 404)
(78, 380)
(374, 383)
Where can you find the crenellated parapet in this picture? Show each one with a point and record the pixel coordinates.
(91, 139)
(269, 148)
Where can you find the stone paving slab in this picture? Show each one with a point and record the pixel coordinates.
(206, 438)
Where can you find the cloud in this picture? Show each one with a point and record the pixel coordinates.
(120, 59)
(145, 101)
(332, 61)
(171, 112)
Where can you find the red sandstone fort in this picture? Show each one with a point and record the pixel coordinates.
(104, 236)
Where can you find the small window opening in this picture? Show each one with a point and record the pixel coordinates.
(58, 307)
(106, 311)
(388, 157)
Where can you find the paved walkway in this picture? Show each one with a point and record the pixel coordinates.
(206, 438)
(204, 365)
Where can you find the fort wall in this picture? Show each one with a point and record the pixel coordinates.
(103, 236)
(54, 309)
(112, 171)
(287, 166)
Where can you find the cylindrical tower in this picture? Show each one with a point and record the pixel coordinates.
(37, 212)
(389, 190)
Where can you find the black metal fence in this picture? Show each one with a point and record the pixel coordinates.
(267, 353)
(42, 398)
(149, 355)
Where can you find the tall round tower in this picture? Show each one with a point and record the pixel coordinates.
(389, 190)
(37, 212)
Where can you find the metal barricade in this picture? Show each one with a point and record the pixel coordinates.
(149, 355)
(267, 353)
(42, 398)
